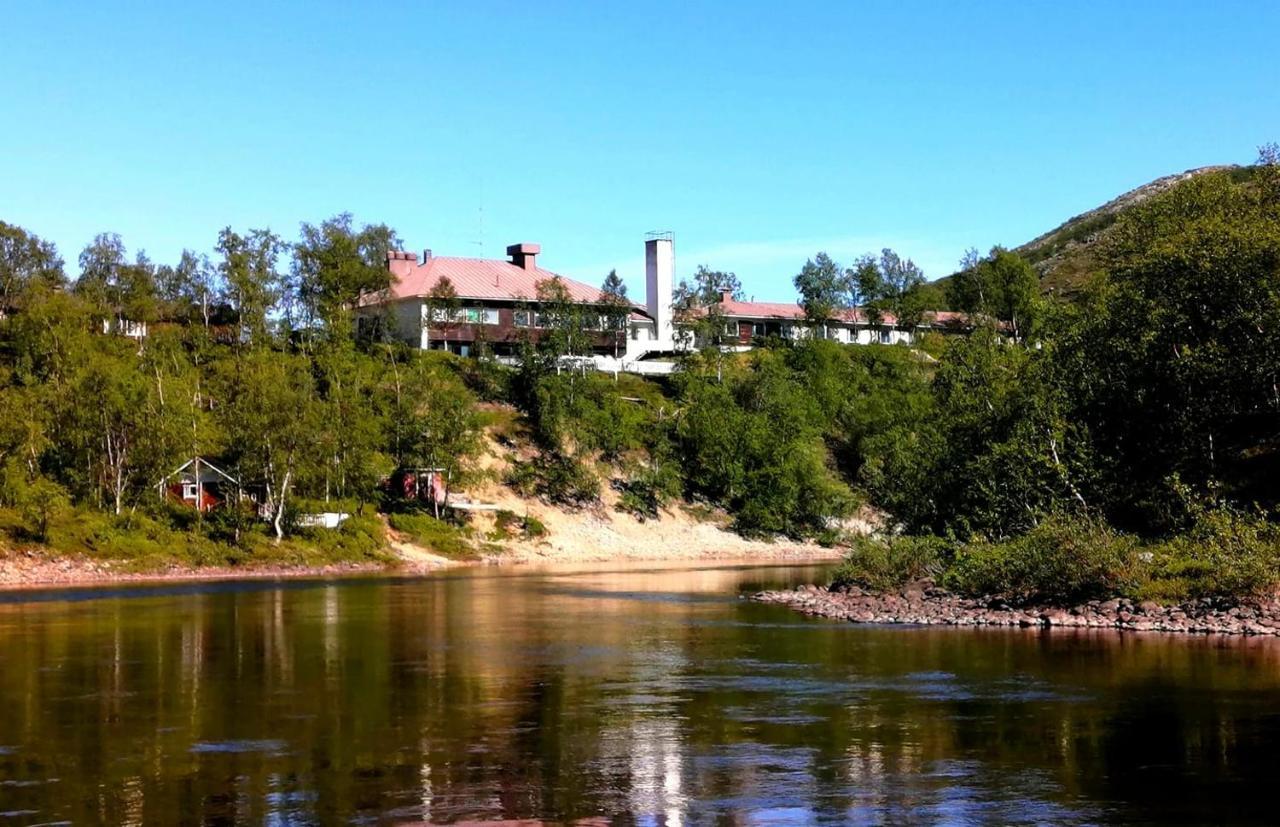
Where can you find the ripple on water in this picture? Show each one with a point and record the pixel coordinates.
(238, 746)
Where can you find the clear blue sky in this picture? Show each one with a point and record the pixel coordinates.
(758, 133)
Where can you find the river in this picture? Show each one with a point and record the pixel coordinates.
(642, 695)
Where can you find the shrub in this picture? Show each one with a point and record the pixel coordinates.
(1062, 560)
(506, 524)
(439, 536)
(523, 478)
(648, 489)
(884, 563)
(360, 538)
(557, 478)
(1226, 552)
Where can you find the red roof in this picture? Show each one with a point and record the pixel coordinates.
(479, 278)
(783, 310)
(857, 315)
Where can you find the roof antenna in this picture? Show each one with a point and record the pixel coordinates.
(479, 242)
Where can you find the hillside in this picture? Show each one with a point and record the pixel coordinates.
(1067, 255)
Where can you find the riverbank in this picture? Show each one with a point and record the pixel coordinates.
(591, 539)
(923, 603)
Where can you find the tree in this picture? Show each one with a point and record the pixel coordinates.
(334, 263)
(440, 423)
(254, 285)
(887, 288)
(271, 417)
(698, 310)
(1002, 286)
(564, 329)
(120, 291)
(823, 288)
(442, 307)
(26, 261)
(615, 308)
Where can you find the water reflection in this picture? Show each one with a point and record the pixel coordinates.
(655, 696)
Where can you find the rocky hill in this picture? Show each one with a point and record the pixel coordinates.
(1067, 255)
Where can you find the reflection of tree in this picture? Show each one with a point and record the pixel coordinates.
(555, 697)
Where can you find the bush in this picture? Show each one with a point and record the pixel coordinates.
(1226, 552)
(360, 538)
(885, 563)
(1063, 560)
(507, 524)
(557, 478)
(533, 527)
(648, 489)
(441, 537)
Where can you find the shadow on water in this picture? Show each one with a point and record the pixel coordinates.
(632, 693)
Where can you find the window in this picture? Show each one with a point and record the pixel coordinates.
(522, 318)
(886, 336)
(757, 329)
(189, 490)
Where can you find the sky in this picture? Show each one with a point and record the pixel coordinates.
(758, 133)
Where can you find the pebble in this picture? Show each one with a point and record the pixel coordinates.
(924, 603)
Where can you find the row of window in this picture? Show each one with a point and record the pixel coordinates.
(462, 315)
(522, 318)
(759, 330)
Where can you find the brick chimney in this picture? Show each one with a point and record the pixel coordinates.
(524, 255)
(401, 263)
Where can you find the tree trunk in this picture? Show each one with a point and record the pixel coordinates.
(278, 521)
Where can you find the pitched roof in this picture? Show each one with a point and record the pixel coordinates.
(793, 311)
(856, 315)
(480, 278)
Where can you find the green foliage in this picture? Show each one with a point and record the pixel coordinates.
(508, 524)
(535, 528)
(823, 286)
(648, 489)
(442, 537)
(887, 563)
(889, 286)
(1225, 553)
(753, 444)
(556, 478)
(1063, 560)
(1003, 286)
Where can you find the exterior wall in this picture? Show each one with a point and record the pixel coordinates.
(659, 274)
(408, 321)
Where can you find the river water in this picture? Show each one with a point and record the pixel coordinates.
(651, 696)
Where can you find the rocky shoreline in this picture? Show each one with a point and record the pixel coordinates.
(924, 603)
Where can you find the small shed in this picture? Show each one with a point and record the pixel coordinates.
(423, 484)
(200, 484)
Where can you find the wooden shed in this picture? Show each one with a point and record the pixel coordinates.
(200, 484)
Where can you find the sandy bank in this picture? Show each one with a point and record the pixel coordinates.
(588, 539)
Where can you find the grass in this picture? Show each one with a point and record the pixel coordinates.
(144, 542)
(441, 537)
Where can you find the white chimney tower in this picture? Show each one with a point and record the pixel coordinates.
(659, 275)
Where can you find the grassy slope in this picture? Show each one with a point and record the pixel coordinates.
(1067, 256)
